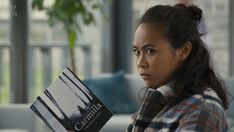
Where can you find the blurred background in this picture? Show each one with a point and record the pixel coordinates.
(33, 53)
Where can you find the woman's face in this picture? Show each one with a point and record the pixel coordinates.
(156, 60)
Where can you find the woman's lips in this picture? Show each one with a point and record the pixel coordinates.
(145, 76)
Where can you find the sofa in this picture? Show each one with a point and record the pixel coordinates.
(119, 122)
(19, 118)
(16, 118)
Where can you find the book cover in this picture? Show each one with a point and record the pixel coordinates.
(68, 105)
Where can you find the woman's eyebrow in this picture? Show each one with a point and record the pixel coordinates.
(134, 47)
(148, 45)
(145, 46)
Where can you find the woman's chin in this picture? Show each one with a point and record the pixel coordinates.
(151, 85)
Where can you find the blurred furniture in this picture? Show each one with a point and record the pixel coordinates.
(120, 122)
(16, 118)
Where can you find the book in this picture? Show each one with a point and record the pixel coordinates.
(68, 105)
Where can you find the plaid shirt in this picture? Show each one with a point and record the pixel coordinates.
(201, 112)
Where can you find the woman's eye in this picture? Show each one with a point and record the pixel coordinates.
(136, 52)
(150, 51)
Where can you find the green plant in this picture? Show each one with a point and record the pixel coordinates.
(67, 12)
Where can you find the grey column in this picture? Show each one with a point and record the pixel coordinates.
(122, 34)
(46, 64)
(31, 74)
(117, 53)
(231, 38)
(1, 66)
(19, 42)
(106, 45)
(87, 61)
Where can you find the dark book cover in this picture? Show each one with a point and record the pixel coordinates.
(68, 105)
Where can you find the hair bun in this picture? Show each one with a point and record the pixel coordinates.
(195, 12)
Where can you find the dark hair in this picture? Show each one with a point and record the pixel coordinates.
(179, 25)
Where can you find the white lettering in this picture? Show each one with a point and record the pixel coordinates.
(88, 118)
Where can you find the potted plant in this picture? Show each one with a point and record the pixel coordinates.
(67, 12)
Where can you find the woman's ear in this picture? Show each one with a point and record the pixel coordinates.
(185, 50)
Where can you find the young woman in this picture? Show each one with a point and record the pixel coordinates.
(184, 93)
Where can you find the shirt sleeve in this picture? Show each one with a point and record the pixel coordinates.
(202, 121)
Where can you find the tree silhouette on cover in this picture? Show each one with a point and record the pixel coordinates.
(47, 93)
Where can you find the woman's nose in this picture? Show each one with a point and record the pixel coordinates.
(141, 62)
